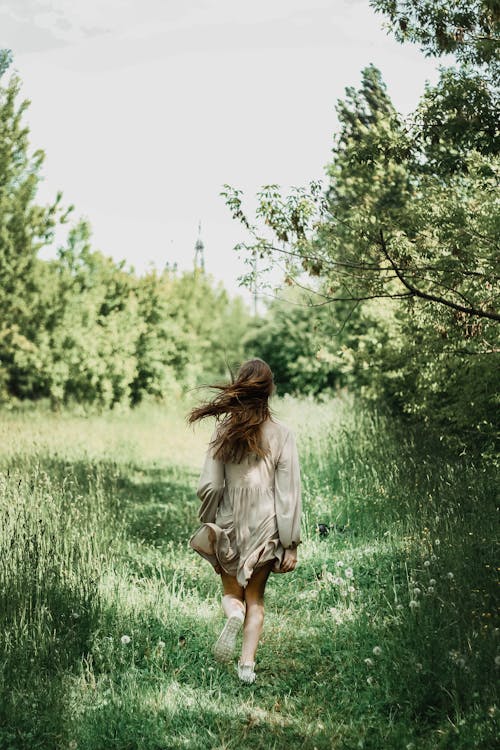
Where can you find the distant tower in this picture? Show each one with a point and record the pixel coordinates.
(199, 248)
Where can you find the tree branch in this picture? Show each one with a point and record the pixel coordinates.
(433, 297)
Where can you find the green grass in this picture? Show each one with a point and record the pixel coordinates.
(96, 513)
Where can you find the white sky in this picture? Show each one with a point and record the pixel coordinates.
(145, 108)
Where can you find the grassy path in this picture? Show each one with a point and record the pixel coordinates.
(111, 616)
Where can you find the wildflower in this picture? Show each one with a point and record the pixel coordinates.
(497, 661)
(433, 558)
(377, 650)
(369, 680)
(427, 563)
(125, 639)
(351, 589)
(161, 644)
(338, 580)
(348, 573)
(339, 564)
(450, 575)
(337, 615)
(369, 662)
(416, 592)
(414, 604)
(430, 590)
(330, 577)
(437, 542)
(432, 582)
(399, 607)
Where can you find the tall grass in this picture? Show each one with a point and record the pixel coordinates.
(384, 637)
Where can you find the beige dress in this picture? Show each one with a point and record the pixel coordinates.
(250, 511)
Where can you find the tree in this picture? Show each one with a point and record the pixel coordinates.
(25, 227)
(83, 328)
(368, 237)
(469, 29)
(410, 219)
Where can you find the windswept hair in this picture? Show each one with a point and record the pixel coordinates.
(244, 404)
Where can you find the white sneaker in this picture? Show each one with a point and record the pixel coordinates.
(246, 671)
(224, 646)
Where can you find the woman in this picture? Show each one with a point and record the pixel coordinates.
(250, 504)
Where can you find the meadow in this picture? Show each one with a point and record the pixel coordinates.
(384, 637)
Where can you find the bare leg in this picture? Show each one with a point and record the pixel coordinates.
(233, 597)
(254, 619)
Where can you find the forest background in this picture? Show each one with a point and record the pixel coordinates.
(390, 274)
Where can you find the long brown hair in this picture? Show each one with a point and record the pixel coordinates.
(245, 403)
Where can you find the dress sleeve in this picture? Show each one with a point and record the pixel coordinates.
(287, 493)
(210, 486)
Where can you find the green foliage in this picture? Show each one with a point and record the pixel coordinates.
(311, 348)
(24, 226)
(469, 29)
(83, 328)
(407, 233)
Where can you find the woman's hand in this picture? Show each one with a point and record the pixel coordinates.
(289, 560)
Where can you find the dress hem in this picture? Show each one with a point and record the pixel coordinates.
(213, 544)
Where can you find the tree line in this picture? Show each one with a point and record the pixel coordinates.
(392, 271)
(82, 327)
(391, 275)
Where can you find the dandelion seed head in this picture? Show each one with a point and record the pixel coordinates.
(369, 680)
(369, 662)
(432, 582)
(437, 542)
(161, 644)
(450, 575)
(416, 592)
(339, 564)
(497, 661)
(413, 604)
(430, 590)
(348, 573)
(427, 563)
(125, 639)
(351, 589)
(399, 607)
(377, 650)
